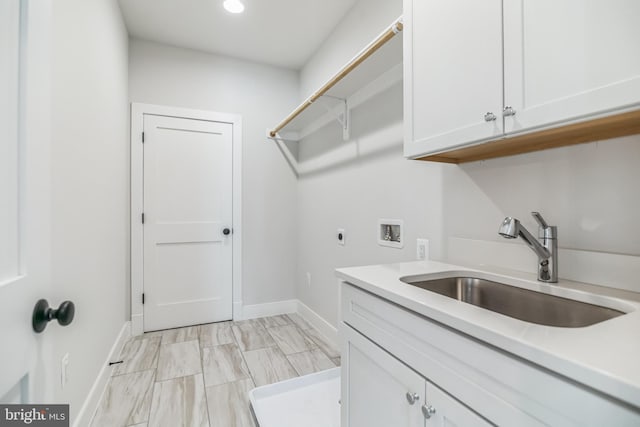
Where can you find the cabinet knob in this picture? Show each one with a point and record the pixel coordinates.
(508, 111)
(489, 117)
(412, 397)
(428, 411)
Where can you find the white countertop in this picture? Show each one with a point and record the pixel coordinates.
(604, 356)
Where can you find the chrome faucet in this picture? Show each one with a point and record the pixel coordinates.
(547, 251)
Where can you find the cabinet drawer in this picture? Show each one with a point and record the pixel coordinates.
(501, 387)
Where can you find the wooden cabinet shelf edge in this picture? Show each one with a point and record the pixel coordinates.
(602, 128)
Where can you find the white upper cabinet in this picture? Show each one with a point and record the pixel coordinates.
(534, 64)
(452, 73)
(569, 59)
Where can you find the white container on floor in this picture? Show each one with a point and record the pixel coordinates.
(311, 400)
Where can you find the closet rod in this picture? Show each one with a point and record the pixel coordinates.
(387, 35)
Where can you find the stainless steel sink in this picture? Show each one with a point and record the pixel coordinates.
(523, 304)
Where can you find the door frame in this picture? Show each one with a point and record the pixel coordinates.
(138, 110)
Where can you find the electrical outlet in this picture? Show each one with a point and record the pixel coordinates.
(64, 366)
(342, 236)
(308, 279)
(422, 249)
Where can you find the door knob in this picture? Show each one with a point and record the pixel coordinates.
(43, 314)
(226, 231)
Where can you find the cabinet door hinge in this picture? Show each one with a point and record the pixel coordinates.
(143, 298)
(143, 137)
(143, 217)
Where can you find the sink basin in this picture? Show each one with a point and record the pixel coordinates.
(523, 304)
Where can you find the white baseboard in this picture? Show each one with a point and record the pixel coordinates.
(240, 312)
(325, 328)
(237, 310)
(244, 312)
(137, 324)
(268, 309)
(100, 384)
(289, 306)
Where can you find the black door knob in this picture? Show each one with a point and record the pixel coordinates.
(226, 231)
(43, 314)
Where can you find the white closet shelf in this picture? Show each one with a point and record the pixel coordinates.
(332, 97)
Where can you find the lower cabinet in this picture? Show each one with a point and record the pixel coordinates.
(384, 392)
(401, 369)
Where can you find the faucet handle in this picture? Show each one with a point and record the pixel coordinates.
(539, 219)
(545, 231)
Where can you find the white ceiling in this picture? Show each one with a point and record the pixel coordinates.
(279, 32)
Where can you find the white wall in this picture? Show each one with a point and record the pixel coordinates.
(352, 184)
(588, 191)
(89, 180)
(263, 95)
(365, 20)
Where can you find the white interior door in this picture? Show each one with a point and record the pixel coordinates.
(24, 200)
(188, 242)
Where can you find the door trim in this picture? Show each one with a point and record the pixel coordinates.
(138, 110)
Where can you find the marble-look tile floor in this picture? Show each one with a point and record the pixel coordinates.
(201, 375)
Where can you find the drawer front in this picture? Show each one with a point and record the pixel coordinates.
(501, 387)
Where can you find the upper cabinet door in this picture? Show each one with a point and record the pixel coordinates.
(569, 59)
(452, 73)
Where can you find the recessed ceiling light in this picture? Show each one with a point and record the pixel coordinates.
(233, 6)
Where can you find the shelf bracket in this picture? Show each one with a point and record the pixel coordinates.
(281, 143)
(343, 117)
